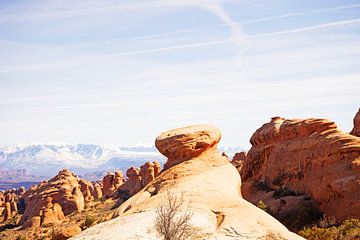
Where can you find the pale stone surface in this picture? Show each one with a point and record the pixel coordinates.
(209, 184)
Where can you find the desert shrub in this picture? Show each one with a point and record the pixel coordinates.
(89, 221)
(171, 223)
(283, 192)
(306, 214)
(21, 237)
(264, 186)
(327, 221)
(262, 206)
(348, 230)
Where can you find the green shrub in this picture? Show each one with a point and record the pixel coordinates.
(262, 206)
(348, 230)
(89, 221)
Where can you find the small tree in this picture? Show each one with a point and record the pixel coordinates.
(170, 222)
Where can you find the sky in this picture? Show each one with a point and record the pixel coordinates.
(121, 72)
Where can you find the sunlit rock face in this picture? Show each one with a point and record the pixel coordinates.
(310, 156)
(206, 180)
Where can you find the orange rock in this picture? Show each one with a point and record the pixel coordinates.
(51, 213)
(97, 191)
(132, 185)
(108, 184)
(356, 130)
(64, 189)
(192, 141)
(148, 172)
(118, 179)
(308, 156)
(67, 233)
(7, 211)
(34, 222)
(86, 188)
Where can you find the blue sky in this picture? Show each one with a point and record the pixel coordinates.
(120, 72)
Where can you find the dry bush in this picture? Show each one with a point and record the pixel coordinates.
(171, 223)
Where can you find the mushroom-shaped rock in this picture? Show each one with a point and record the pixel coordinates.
(205, 181)
(182, 144)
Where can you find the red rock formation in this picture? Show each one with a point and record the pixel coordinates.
(133, 183)
(7, 211)
(238, 160)
(189, 144)
(149, 171)
(356, 130)
(111, 182)
(97, 191)
(86, 189)
(308, 156)
(51, 213)
(118, 179)
(9, 202)
(64, 189)
(108, 184)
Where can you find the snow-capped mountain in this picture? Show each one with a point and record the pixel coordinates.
(47, 159)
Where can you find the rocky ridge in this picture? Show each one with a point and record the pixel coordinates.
(304, 157)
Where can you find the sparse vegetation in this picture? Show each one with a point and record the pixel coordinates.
(348, 230)
(171, 223)
(89, 221)
(262, 206)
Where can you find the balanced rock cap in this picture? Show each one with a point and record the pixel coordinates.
(182, 144)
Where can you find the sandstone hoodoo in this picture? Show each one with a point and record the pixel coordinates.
(65, 193)
(208, 183)
(182, 144)
(305, 157)
(356, 130)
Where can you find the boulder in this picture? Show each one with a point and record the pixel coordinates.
(67, 232)
(182, 144)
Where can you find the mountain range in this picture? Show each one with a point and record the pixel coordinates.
(48, 159)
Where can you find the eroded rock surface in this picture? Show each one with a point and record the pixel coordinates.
(310, 156)
(206, 180)
(182, 144)
(64, 191)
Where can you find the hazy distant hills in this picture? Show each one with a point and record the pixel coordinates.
(48, 159)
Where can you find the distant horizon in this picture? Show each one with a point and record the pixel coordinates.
(105, 72)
